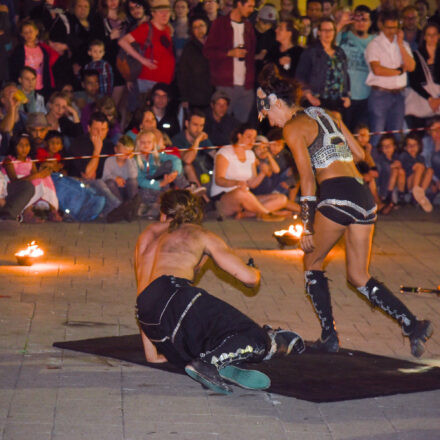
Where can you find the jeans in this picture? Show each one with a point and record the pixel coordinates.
(145, 85)
(111, 201)
(241, 102)
(386, 111)
(125, 193)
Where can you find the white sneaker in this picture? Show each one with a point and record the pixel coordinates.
(421, 199)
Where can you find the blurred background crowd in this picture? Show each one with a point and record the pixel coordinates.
(169, 87)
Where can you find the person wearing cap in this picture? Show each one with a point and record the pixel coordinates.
(264, 31)
(219, 123)
(230, 50)
(158, 60)
(37, 127)
(192, 73)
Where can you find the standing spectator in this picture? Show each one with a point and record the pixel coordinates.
(195, 163)
(389, 58)
(230, 49)
(160, 104)
(328, 8)
(428, 54)
(79, 33)
(322, 69)
(289, 10)
(104, 69)
(314, 12)
(31, 53)
(109, 26)
(180, 26)
(28, 81)
(158, 64)
(418, 176)
(265, 35)
(384, 5)
(138, 12)
(287, 53)
(192, 73)
(423, 10)
(410, 26)
(305, 31)
(226, 7)
(210, 9)
(353, 43)
(219, 124)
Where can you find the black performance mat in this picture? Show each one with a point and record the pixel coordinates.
(312, 376)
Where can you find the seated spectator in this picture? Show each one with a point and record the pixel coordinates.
(90, 85)
(156, 171)
(235, 174)
(219, 123)
(105, 71)
(31, 53)
(94, 143)
(289, 176)
(431, 152)
(158, 65)
(160, 104)
(147, 121)
(12, 120)
(195, 162)
(367, 167)
(192, 73)
(28, 81)
(286, 54)
(391, 173)
(269, 167)
(120, 172)
(54, 151)
(106, 105)
(418, 177)
(19, 166)
(37, 128)
(180, 26)
(63, 117)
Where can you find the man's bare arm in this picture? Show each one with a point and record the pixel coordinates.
(151, 354)
(227, 260)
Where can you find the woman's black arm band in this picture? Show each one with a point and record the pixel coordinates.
(308, 208)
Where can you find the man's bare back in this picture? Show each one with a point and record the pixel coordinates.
(182, 252)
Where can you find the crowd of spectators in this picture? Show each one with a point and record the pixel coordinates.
(104, 105)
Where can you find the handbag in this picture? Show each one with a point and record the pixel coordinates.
(417, 105)
(129, 67)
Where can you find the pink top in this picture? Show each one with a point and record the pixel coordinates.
(33, 57)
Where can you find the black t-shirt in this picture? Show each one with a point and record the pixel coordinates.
(83, 146)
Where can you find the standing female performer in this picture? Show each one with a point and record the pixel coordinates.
(323, 151)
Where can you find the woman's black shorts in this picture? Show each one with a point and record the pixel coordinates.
(347, 200)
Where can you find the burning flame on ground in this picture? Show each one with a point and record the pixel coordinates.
(32, 250)
(294, 230)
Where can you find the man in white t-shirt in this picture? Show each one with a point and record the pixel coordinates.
(389, 58)
(230, 50)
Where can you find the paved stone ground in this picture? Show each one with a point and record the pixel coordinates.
(85, 288)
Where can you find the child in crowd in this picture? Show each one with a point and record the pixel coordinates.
(120, 172)
(54, 150)
(90, 92)
(367, 167)
(96, 53)
(431, 152)
(267, 165)
(418, 177)
(28, 81)
(20, 167)
(391, 173)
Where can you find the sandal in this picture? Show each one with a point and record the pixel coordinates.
(420, 197)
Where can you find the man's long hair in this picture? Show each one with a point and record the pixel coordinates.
(181, 207)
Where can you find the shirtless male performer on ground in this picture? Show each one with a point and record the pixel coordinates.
(184, 324)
